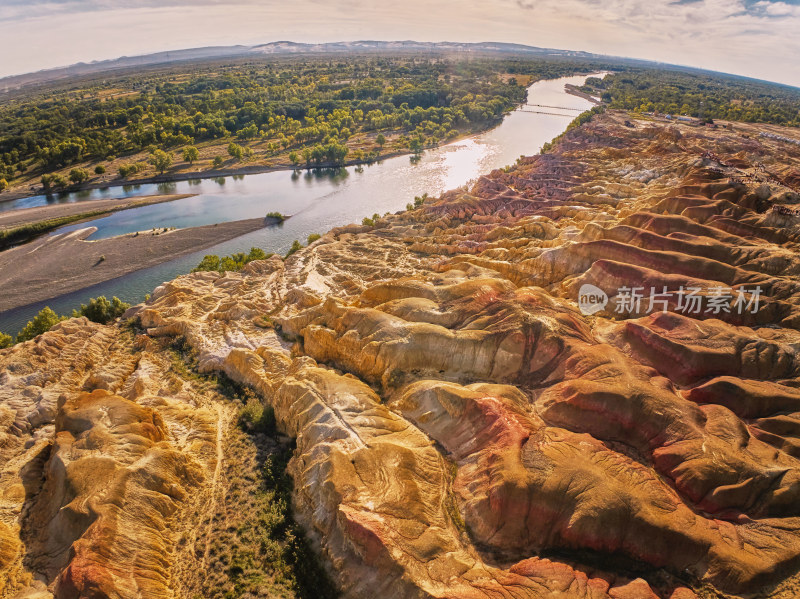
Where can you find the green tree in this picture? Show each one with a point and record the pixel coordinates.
(41, 323)
(293, 156)
(190, 154)
(161, 160)
(335, 152)
(380, 140)
(235, 150)
(3, 184)
(249, 132)
(78, 175)
(318, 154)
(54, 181)
(99, 169)
(218, 160)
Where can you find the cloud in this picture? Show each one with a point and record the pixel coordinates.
(775, 9)
(749, 37)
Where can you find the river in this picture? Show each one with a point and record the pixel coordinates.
(316, 201)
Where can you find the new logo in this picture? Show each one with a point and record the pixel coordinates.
(591, 299)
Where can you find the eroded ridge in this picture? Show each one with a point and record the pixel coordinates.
(464, 426)
(102, 447)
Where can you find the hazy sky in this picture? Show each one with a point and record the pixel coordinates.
(758, 38)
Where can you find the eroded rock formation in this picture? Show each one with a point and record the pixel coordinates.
(464, 427)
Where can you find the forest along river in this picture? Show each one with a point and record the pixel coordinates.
(316, 201)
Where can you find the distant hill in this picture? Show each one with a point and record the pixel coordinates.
(284, 47)
(280, 47)
(100, 66)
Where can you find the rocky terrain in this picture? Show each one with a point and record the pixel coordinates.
(480, 405)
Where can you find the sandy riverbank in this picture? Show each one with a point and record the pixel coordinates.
(59, 264)
(574, 90)
(89, 209)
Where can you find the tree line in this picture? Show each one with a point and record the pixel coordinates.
(313, 105)
(699, 94)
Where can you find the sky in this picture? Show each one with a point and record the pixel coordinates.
(755, 38)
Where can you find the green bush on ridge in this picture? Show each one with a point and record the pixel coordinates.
(99, 310)
(234, 262)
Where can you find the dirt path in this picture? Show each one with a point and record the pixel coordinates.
(216, 489)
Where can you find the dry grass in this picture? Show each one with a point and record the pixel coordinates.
(239, 540)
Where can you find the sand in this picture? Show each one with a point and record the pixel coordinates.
(53, 265)
(26, 216)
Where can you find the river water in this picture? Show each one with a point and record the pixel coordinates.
(316, 201)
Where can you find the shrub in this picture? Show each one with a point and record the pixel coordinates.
(41, 323)
(218, 160)
(370, 221)
(3, 184)
(208, 263)
(264, 322)
(254, 416)
(248, 132)
(99, 170)
(277, 216)
(78, 175)
(313, 237)
(296, 246)
(294, 551)
(235, 262)
(235, 151)
(99, 309)
(53, 181)
(6, 341)
(126, 170)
